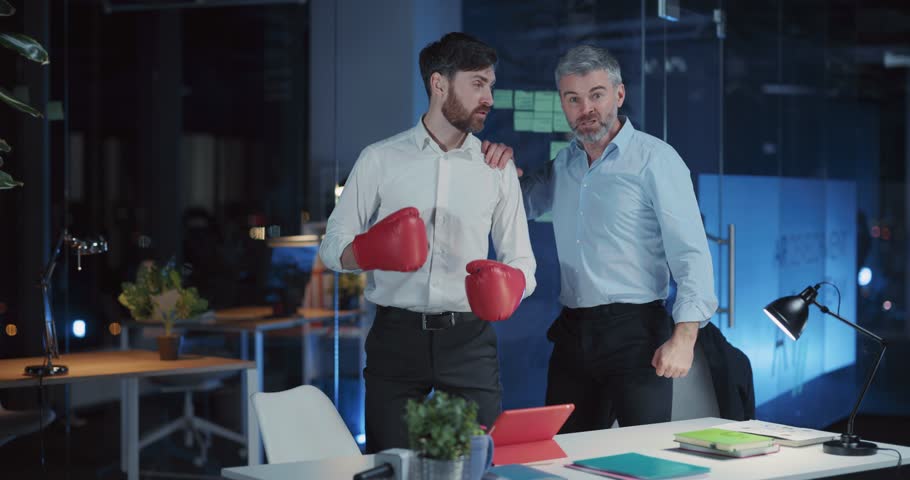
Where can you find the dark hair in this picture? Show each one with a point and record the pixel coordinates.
(452, 53)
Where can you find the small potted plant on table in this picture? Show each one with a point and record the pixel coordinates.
(158, 295)
(440, 430)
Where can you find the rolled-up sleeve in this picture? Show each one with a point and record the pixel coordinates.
(684, 239)
(351, 216)
(510, 230)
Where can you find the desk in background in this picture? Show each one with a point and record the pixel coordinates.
(655, 440)
(254, 320)
(130, 366)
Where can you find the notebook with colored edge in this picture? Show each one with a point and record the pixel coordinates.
(724, 439)
(744, 453)
(525, 435)
(638, 466)
(519, 472)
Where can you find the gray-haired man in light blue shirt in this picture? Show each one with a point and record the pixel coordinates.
(625, 217)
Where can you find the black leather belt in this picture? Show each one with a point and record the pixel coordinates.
(616, 308)
(431, 321)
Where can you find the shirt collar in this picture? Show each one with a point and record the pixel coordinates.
(423, 140)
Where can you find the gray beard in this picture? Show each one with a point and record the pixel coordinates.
(592, 137)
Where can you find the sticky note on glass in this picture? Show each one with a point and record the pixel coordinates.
(543, 122)
(560, 124)
(524, 121)
(502, 99)
(524, 100)
(555, 147)
(543, 101)
(545, 218)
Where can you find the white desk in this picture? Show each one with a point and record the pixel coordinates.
(655, 440)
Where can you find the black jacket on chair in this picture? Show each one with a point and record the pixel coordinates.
(731, 373)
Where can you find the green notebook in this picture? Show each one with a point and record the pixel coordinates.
(641, 466)
(724, 439)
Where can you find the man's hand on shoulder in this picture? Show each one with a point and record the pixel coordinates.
(498, 155)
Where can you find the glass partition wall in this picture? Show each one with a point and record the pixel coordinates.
(790, 119)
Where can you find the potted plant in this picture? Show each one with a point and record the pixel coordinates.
(158, 295)
(350, 287)
(28, 48)
(440, 430)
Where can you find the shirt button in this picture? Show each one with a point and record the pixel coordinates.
(584, 185)
(577, 241)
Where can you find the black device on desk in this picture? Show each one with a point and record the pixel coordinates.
(395, 463)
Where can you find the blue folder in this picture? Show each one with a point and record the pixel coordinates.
(641, 466)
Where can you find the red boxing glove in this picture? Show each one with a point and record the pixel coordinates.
(396, 243)
(494, 289)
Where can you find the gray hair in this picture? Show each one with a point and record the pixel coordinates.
(585, 59)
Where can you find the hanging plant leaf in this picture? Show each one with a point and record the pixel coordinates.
(11, 100)
(7, 182)
(4, 147)
(27, 46)
(6, 9)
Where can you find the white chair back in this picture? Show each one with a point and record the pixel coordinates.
(301, 424)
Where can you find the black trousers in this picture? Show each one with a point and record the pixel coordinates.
(601, 362)
(404, 361)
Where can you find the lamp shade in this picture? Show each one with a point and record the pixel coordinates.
(791, 313)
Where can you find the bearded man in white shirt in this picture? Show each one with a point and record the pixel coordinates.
(416, 213)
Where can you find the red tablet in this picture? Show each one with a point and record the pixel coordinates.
(526, 435)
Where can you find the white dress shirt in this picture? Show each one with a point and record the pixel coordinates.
(461, 200)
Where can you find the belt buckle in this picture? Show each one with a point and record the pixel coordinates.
(423, 320)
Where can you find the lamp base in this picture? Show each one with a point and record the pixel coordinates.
(46, 370)
(851, 446)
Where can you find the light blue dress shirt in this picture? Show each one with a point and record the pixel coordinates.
(624, 224)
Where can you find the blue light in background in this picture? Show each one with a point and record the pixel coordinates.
(361, 439)
(864, 276)
(79, 328)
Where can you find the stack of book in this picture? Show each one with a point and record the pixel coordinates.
(728, 443)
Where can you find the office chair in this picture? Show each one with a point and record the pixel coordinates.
(15, 423)
(196, 430)
(694, 395)
(301, 424)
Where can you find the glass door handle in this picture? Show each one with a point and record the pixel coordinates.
(730, 241)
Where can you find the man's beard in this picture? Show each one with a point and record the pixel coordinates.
(595, 136)
(453, 111)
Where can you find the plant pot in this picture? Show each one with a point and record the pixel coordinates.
(432, 469)
(168, 345)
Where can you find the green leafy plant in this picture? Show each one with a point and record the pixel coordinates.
(158, 295)
(32, 50)
(441, 427)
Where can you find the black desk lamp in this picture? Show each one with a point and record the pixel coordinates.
(790, 314)
(51, 351)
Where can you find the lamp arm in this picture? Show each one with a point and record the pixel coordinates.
(872, 371)
(875, 337)
(50, 329)
(52, 262)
